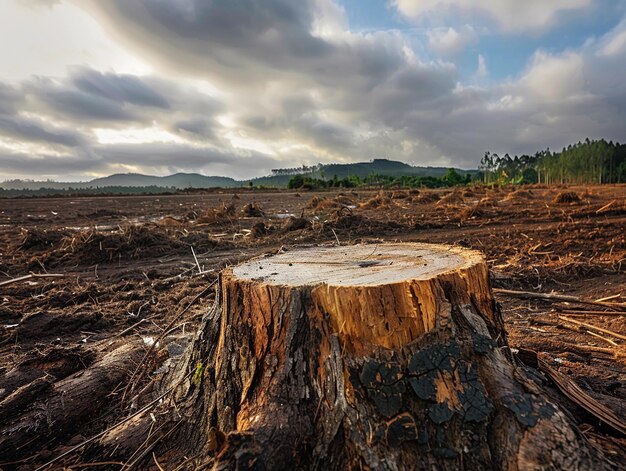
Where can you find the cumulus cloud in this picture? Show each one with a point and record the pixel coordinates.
(240, 87)
(318, 81)
(555, 78)
(510, 15)
(559, 99)
(450, 42)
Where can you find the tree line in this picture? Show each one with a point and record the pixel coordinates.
(451, 178)
(596, 161)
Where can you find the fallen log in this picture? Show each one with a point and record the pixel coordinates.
(64, 405)
(377, 357)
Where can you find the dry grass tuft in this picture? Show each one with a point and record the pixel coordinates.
(321, 204)
(381, 200)
(566, 197)
(519, 195)
(295, 224)
(454, 197)
(399, 194)
(219, 214)
(252, 210)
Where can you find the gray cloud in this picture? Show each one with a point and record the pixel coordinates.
(118, 88)
(80, 105)
(178, 158)
(22, 164)
(31, 131)
(89, 99)
(227, 35)
(195, 126)
(250, 43)
(9, 98)
(289, 82)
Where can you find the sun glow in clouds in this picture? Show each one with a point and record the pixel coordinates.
(136, 136)
(46, 40)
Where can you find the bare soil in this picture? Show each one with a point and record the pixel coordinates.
(129, 271)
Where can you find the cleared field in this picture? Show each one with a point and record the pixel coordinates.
(138, 269)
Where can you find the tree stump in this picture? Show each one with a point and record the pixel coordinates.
(390, 356)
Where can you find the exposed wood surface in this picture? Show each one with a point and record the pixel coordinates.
(357, 265)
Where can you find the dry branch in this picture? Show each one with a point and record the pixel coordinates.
(594, 327)
(582, 312)
(30, 277)
(580, 397)
(605, 207)
(136, 324)
(608, 298)
(612, 342)
(556, 297)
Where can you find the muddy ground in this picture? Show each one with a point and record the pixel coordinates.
(128, 272)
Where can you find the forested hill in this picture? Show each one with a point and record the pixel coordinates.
(362, 170)
(595, 161)
(382, 167)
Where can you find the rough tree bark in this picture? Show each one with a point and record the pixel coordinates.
(388, 356)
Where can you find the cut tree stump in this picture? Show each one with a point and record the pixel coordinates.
(390, 356)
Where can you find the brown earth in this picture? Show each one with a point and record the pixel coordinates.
(130, 274)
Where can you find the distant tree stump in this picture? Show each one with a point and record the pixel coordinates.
(390, 356)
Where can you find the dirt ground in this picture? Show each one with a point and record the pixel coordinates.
(142, 268)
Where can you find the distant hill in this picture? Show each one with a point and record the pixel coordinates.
(177, 181)
(180, 181)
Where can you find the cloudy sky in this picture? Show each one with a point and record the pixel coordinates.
(238, 87)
